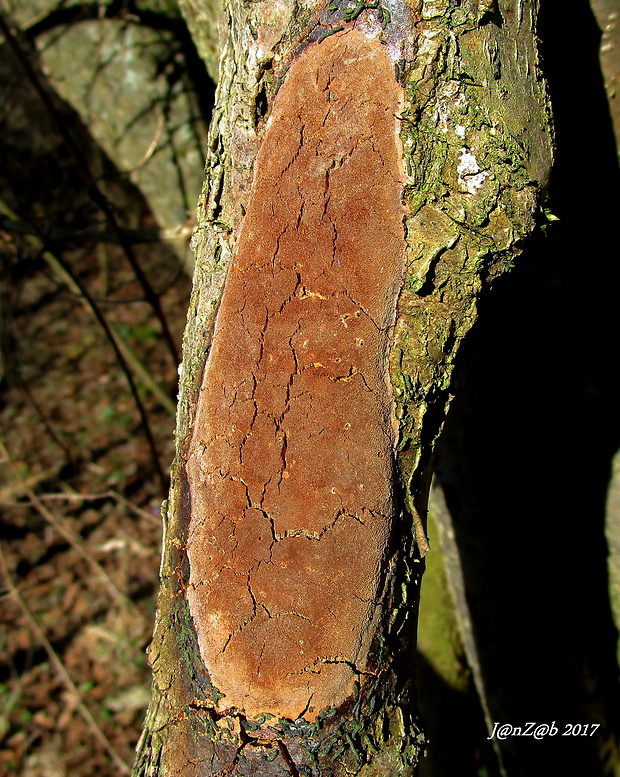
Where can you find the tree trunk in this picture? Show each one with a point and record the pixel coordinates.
(371, 169)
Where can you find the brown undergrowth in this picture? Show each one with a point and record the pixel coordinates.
(79, 492)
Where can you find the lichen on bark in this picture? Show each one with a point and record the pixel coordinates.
(476, 140)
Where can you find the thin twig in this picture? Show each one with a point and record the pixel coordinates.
(55, 235)
(96, 192)
(76, 497)
(56, 437)
(72, 538)
(125, 367)
(77, 543)
(21, 484)
(54, 658)
(152, 146)
(64, 272)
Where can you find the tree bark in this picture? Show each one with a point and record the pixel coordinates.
(371, 169)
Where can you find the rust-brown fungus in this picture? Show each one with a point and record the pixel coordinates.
(291, 465)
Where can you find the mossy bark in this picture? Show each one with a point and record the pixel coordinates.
(477, 147)
(203, 20)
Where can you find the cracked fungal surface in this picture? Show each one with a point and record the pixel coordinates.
(291, 465)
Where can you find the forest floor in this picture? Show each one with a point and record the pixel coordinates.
(80, 495)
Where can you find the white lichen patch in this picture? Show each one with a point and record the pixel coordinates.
(447, 98)
(471, 175)
(428, 46)
(433, 9)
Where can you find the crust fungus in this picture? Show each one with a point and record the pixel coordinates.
(291, 464)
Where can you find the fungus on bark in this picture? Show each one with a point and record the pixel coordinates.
(291, 463)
